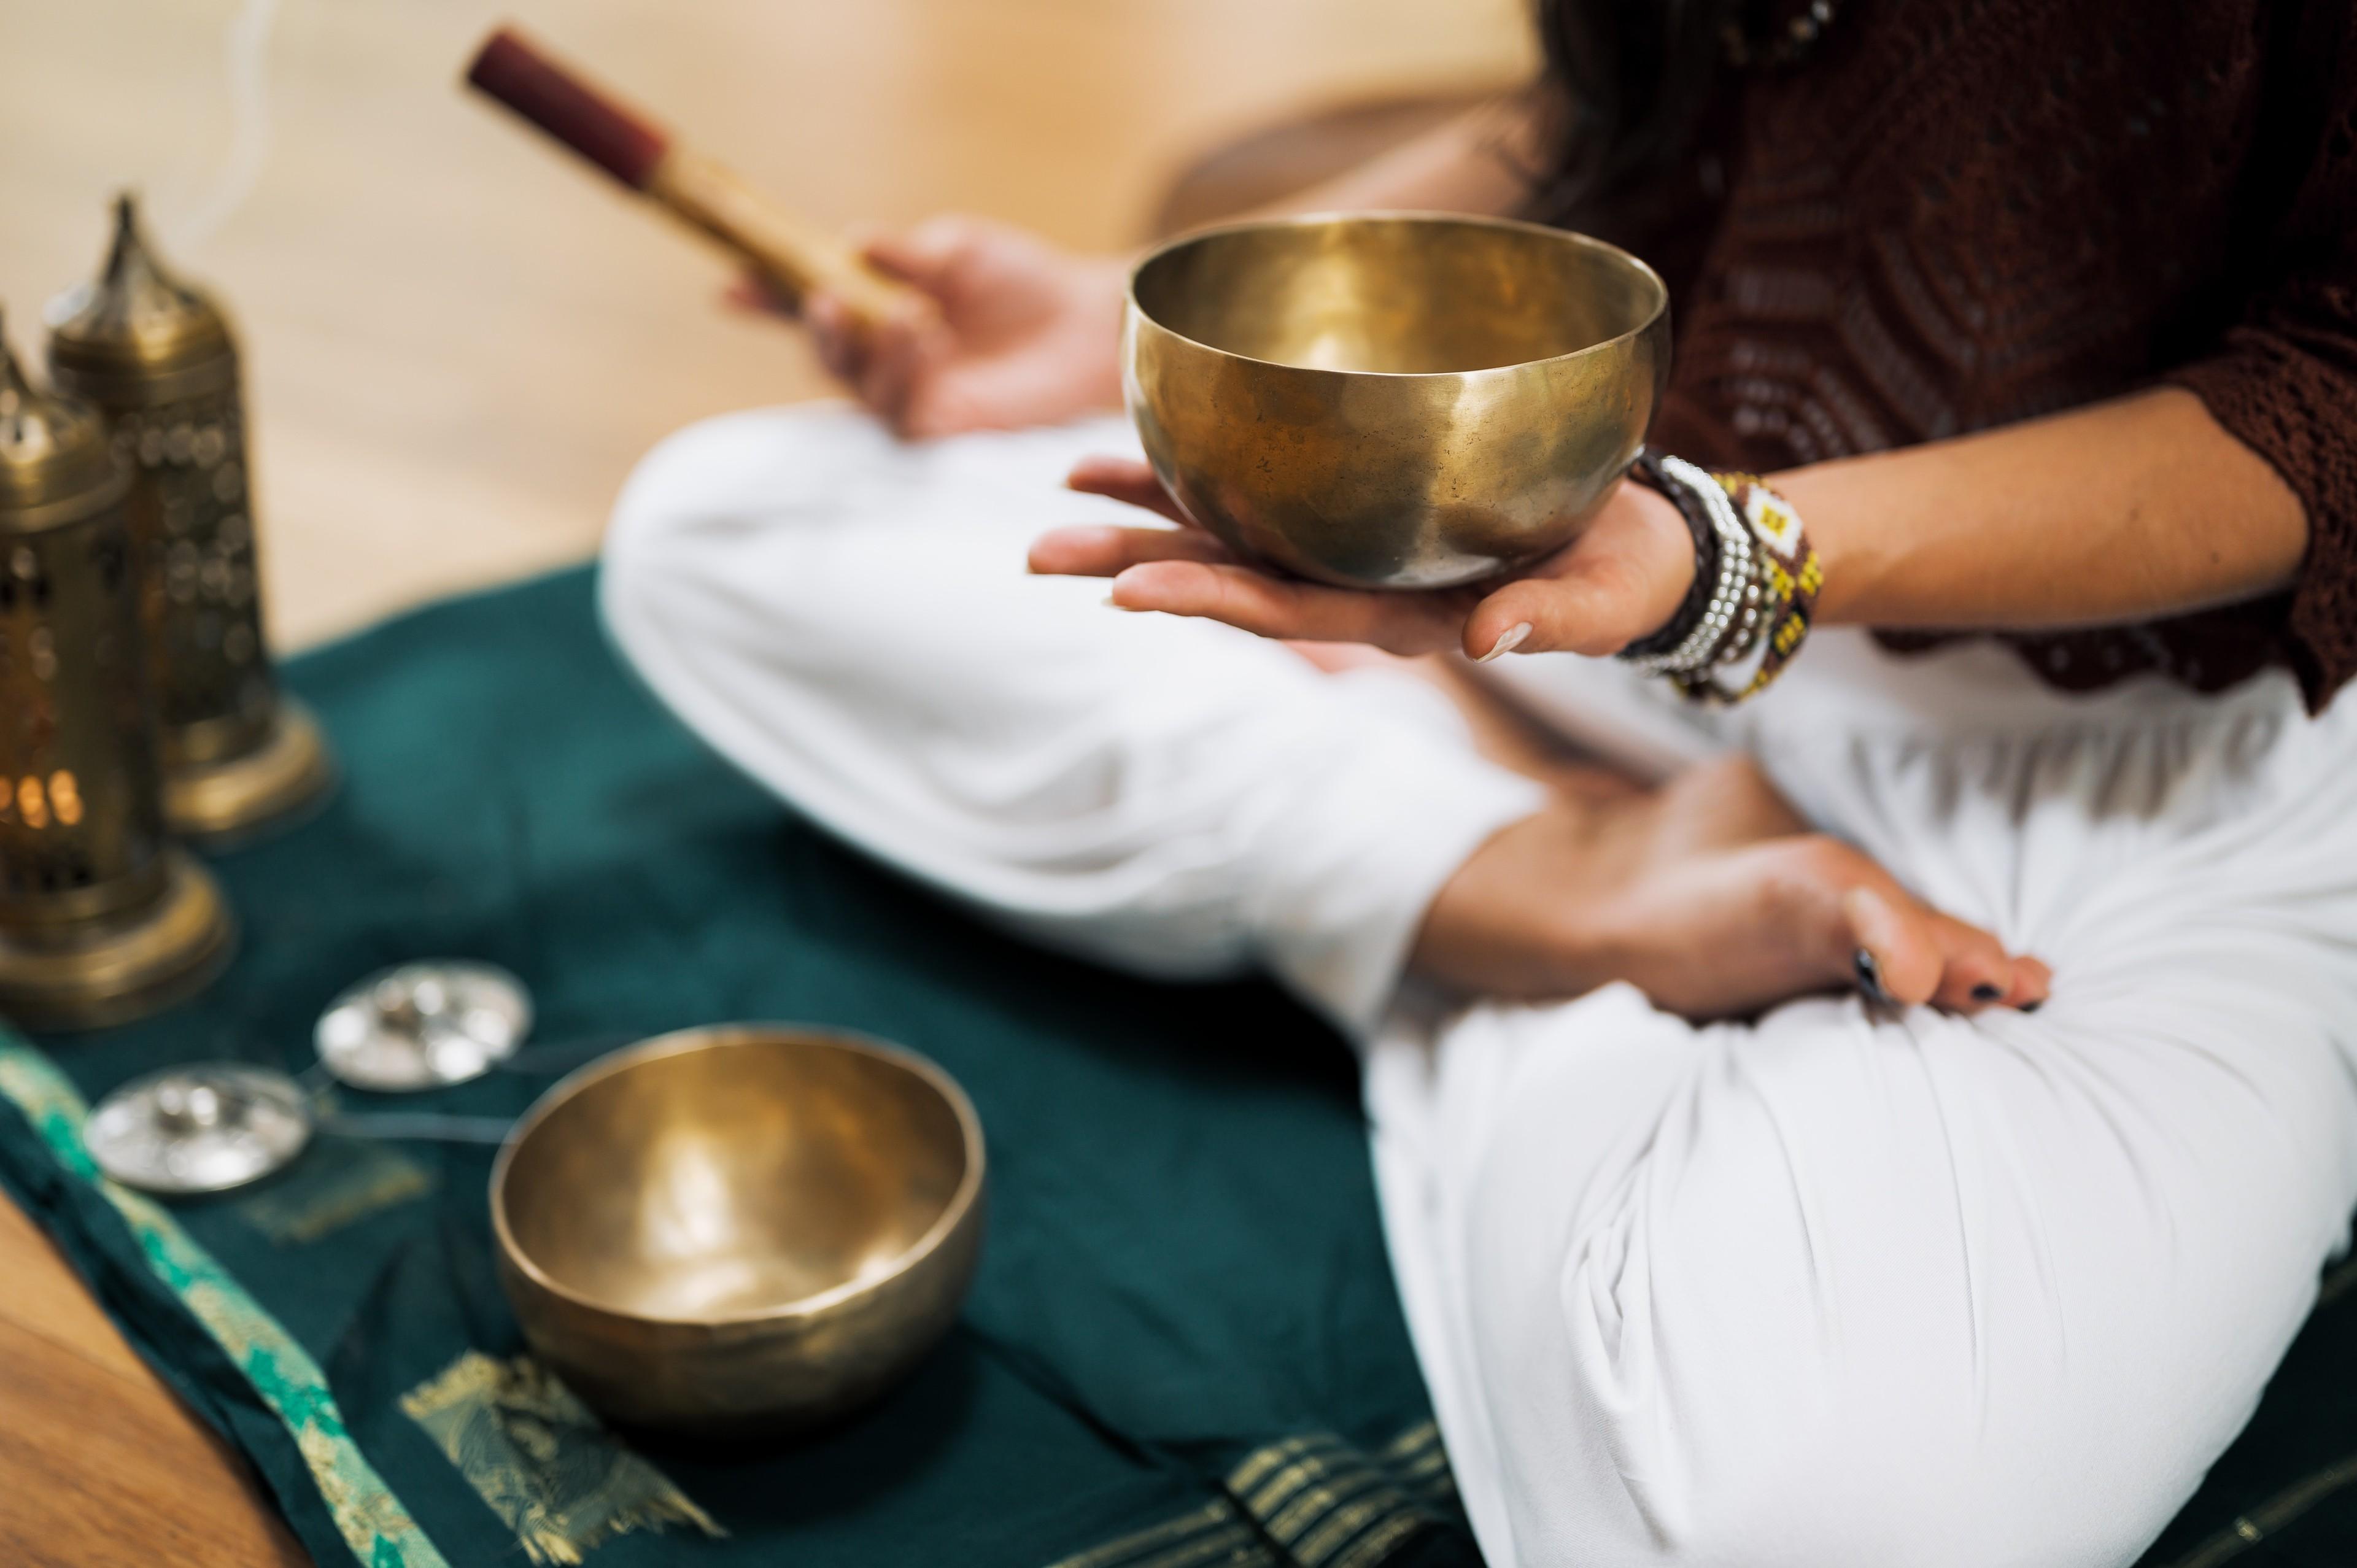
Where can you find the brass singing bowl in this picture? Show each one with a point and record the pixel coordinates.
(743, 1231)
(1395, 401)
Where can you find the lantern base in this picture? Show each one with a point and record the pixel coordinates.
(275, 785)
(123, 966)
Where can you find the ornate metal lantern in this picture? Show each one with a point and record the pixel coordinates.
(156, 356)
(100, 918)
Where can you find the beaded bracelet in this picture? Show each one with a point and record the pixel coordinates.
(1714, 605)
(1759, 586)
(1794, 578)
(1647, 470)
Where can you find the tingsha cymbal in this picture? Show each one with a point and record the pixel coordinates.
(205, 1127)
(424, 1024)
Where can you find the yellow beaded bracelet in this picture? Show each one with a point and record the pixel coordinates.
(1789, 578)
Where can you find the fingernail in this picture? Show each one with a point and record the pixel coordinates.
(1984, 992)
(1513, 637)
(2033, 1006)
(1870, 980)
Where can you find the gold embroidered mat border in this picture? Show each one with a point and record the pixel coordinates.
(2249, 1529)
(1312, 1501)
(542, 1461)
(368, 1515)
(2271, 1516)
(338, 1185)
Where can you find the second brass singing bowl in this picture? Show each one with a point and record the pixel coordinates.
(1395, 401)
(744, 1230)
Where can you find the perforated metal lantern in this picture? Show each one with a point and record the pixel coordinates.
(101, 920)
(157, 358)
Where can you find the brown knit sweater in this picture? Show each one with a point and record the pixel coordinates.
(1958, 213)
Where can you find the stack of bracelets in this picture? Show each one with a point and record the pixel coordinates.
(1756, 581)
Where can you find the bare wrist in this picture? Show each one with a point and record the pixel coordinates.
(1820, 494)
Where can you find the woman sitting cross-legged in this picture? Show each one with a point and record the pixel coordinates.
(1894, 1120)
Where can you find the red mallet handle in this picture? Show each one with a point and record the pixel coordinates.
(794, 256)
(568, 108)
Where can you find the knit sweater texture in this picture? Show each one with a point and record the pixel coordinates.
(1955, 214)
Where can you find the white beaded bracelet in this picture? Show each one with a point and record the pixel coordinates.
(1732, 614)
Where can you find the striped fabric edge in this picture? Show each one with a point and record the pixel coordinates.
(1213, 1533)
(2270, 1517)
(1310, 1501)
(2337, 1283)
(2286, 1506)
(367, 1514)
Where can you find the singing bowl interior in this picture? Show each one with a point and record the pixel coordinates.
(1397, 296)
(1393, 401)
(744, 1225)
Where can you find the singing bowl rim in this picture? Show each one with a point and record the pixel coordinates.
(709, 1037)
(1571, 237)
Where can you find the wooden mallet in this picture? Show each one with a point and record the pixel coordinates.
(794, 257)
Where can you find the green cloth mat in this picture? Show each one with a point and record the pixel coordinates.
(1183, 1348)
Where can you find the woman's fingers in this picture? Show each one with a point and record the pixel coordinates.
(1185, 572)
(891, 364)
(1124, 479)
(1100, 551)
(1300, 612)
(834, 337)
(1107, 551)
(887, 366)
(752, 291)
(895, 366)
(928, 255)
(1619, 581)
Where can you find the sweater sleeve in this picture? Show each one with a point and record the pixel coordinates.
(2283, 382)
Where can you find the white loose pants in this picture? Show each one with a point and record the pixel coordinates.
(1817, 1291)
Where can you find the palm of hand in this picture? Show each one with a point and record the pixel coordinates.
(1619, 581)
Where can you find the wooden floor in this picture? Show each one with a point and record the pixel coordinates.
(100, 1466)
(457, 344)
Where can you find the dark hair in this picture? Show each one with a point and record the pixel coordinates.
(1627, 80)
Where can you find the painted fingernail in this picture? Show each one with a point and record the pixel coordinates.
(1984, 992)
(1513, 637)
(1870, 980)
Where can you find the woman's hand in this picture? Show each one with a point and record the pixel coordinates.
(1620, 580)
(1708, 893)
(1025, 333)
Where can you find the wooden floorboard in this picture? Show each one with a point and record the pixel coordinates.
(45, 1299)
(101, 1467)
